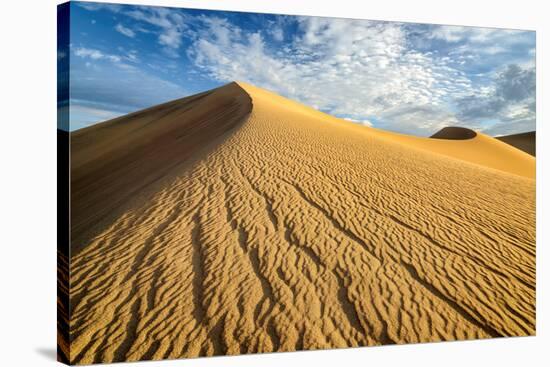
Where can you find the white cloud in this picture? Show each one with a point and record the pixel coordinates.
(95, 54)
(277, 34)
(421, 119)
(454, 34)
(98, 94)
(97, 113)
(115, 8)
(511, 102)
(171, 25)
(361, 122)
(345, 67)
(86, 52)
(132, 56)
(171, 37)
(125, 31)
(448, 34)
(407, 78)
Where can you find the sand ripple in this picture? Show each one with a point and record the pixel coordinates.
(296, 233)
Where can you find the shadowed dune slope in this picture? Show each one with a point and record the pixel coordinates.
(301, 231)
(113, 160)
(524, 141)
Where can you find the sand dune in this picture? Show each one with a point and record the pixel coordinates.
(111, 161)
(480, 149)
(274, 227)
(525, 141)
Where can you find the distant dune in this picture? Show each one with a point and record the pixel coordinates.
(454, 133)
(525, 141)
(237, 221)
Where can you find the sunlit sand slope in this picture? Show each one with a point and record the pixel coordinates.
(473, 147)
(301, 231)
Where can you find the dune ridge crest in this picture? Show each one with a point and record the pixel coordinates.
(481, 149)
(296, 230)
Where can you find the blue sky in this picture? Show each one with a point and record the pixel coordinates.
(409, 78)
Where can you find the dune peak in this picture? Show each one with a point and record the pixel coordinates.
(454, 133)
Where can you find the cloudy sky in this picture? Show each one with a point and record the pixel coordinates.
(404, 77)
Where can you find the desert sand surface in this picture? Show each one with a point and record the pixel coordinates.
(274, 227)
(112, 161)
(524, 141)
(479, 149)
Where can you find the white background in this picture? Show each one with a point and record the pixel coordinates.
(28, 182)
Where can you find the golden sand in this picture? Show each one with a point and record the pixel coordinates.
(295, 230)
